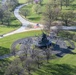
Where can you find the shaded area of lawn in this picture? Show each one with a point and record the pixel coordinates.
(5, 45)
(56, 69)
(14, 24)
(3, 66)
(73, 6)
(4, 50)
(34, 18)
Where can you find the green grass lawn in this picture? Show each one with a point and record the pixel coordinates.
(59, 66)
(5, 46)
(6, 29)
(22, 1)
(65, 65)
(14, 24)
(56, 69)
(37, 17)
(32, 15)
(6, 42)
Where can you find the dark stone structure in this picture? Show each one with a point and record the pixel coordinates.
(44, 42)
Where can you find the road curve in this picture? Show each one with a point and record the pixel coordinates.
(24, 22)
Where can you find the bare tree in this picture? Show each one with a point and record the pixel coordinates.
(12, 3)
(50, 15)
(25, 12)
(48, 53)
(74, 37)
(40, 2)
(37, 8)
(26, 51)
(67, 16)
(38, 61)
(15, 68)
(7, 17)
(29, 65)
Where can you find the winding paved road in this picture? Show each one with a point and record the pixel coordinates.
(24, 22)
(23, 28)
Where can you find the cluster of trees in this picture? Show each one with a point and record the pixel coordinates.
(58, 2)
(11, 4)
(62, 2)
(36, 7)
(67, 35)
(65, 3)
(5, 16)
(28, 61)
(25, 12)
(6, 11)
(53, 13)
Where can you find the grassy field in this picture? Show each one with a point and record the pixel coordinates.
(37, 17)
(22, 1)
(5, 46)
(6, 42)
(56, 69)
(65, 65)
(6, 29)
(14, 24)
(33, 16)
(61, 66)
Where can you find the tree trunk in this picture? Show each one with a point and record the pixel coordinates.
(29, 72)
(66, 22)
(61, 4)
(1, 21)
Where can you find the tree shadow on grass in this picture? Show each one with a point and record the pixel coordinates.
(13, 26)
(57, 69)
(73, 6)
(60, 52)
(4, 50)
(3, 65)
(34, 18)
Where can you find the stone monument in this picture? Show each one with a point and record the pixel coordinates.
(44, 42)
